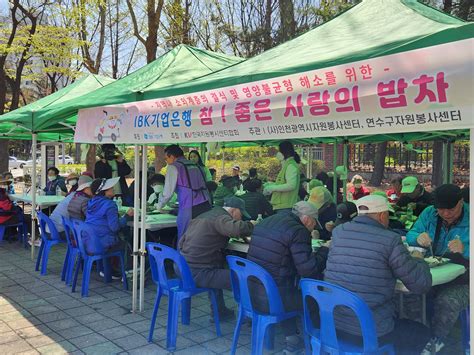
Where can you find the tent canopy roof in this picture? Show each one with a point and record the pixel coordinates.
(372, 28)
(179, 65)
(26, 115)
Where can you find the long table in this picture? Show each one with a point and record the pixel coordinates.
(156, 222)
(440, 275)
(42, 201)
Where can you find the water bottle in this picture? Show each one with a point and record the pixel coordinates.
(39, 192)
(118, 201)
(58, 191)
(259, 218)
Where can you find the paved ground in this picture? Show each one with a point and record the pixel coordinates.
(39, 314)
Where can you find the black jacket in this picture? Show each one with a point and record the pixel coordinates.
(282, 245)
(104, 171)
(367, 259)
(424, 200)
(256, 203)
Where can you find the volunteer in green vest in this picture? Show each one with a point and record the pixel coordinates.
(284, 190)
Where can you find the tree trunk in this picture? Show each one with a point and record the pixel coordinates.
(77, 153)
(159, 162)
(287, 18)
(267, 40)
(437, 175)
(379, 164)
(91, 158)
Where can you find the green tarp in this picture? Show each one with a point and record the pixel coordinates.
(19, 123)
(181, 64)
(372, 28)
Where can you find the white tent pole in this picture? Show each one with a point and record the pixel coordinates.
(136, 202)
(471, 218)
(143, 230)
(334, 178)
(63, 153)
(346, 168)
(33, 195)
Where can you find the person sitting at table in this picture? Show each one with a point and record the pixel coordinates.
(71, 181)
(444, 228)
(367, 258)
(252, 176)
(227, 188)
(285, 189)
(322, 199)
(213, 173)
(414, 196)
(157, 184)
(346, 212)
(205, 239)
(314, 183)
(8, 177)
(188, 181)
(102, 216)
(282, 245)
(112, 164)
(60, 211)
(394, 223)
(195, 157)
(9, 213)
(77, 207)
(395, 192)
(255, 203)
(54, 180)
(357, 190)
(212, 188)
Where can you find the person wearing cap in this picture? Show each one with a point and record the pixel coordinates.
(204, 240)
(8, 178)
(188, 180)
(227, 187)
(346, 212)
(111, 165)
(285, 189)
(77, 207)
(367, 258)
(445, 227)
(255, 203)
(321, 198)
(357, 190)
(282, 245)
(60, 211)
(414, 196)
(72, 182)
(102, 216)
(236, 171)
(395, 190)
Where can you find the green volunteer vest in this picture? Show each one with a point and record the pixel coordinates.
(286, 199)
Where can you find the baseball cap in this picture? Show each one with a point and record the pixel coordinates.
(84, 181)
(236, 167)
(304, 208)
(235, 202)
(106, 184)
(373, 204)
(447, 196)
(409, 184)
(346, 211)
(319, 195)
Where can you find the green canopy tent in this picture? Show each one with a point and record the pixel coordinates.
(20, 123)
(405, 42)
(179, 65)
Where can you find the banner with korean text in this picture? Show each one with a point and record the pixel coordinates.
(429, 89)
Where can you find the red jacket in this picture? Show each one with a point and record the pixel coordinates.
(363, 191)
(6, 207)
(393, 196)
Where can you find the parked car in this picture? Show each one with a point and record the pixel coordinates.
(67, 159)
(14, 163)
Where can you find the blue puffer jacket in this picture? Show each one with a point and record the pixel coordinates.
(367, 259)
(427, 223)
(103, 220)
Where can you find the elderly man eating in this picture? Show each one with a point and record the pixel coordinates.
(444, 228)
